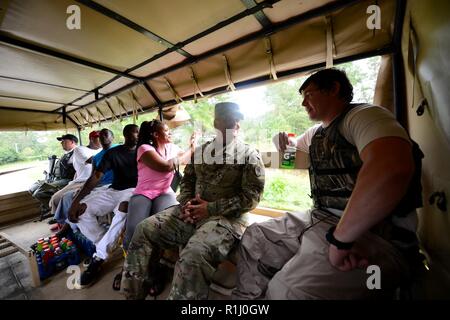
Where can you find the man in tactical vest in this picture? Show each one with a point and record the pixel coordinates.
(365, 185)
(62, 175)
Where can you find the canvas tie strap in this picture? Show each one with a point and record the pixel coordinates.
(330, 42)
(93, 118)
(111, 109)
(269, 52)
(86, 117)
(133, 96)
(82, 119)
(89, 117)
(120, 113)
(134, 111)
(100, 113)
(412, 57)
(196, 86)
(172, 90)
(80, 123)
(228, 74)
(123, 108)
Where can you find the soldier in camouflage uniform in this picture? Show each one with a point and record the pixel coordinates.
(224, 181)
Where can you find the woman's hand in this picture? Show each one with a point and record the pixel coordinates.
(193, 140)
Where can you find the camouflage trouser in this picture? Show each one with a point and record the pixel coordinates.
(206, 245)
(43, 191)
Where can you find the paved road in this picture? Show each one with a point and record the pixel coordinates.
(21, 180)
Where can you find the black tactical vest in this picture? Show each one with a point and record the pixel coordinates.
(66, 169)
(334, 167)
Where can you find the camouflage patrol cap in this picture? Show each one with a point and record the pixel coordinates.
(228, 110)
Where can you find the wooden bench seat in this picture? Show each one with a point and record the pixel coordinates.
(18, 206)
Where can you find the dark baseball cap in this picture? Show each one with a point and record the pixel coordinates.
(68, 137)
(228, 110)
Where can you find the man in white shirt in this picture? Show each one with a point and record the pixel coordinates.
(82, 166)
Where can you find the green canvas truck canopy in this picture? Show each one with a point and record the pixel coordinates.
(129, 57)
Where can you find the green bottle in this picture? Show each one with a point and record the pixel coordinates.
(288, 160)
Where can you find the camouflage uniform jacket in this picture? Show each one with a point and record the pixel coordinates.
(230, 178)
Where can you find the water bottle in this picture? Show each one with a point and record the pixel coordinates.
(288, 160)
(39, 246)
(73, 256)
(41, 267)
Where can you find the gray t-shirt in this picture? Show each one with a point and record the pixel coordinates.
(360, 126)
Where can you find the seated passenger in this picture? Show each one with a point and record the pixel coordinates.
(64, 173)
(106, 137)
(82, 169)
(361, 168)
(226, 180)
(87, 205)
(155, 157)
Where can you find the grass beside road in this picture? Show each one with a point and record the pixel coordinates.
(286, 190)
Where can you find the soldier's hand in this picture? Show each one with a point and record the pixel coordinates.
(196, 209)
(185, 214)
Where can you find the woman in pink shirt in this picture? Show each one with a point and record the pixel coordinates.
(157, 158)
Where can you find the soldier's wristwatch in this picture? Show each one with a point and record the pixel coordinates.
(338, 244)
